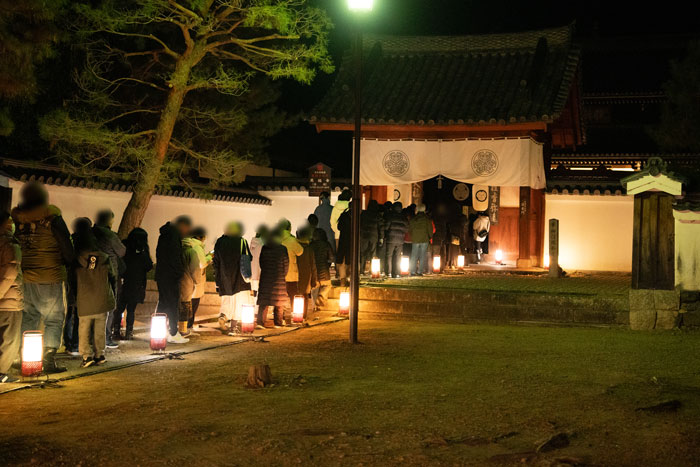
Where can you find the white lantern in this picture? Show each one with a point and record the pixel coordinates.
(404, 265)
(159, 332)
(32, 353)
(499, 256)
(375, 268)
(360, 5)
(247, 318)
(460, 261)
(436, 264)
(298, 309)
(344, 303)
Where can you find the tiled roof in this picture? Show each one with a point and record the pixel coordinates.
(599, 181)
(594, 159)
(456, 80)
(292, 184)
(26, 171)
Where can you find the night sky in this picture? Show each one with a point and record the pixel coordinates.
(298, 147)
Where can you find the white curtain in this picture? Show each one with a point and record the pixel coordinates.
(493, 162)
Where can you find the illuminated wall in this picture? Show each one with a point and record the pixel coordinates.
(595, 231)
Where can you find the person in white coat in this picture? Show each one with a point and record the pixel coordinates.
(481, 228)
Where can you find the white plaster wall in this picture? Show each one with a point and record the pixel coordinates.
(212, 215)
(687, 246)
(595, 232)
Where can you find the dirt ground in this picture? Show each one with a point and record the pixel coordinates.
(410, 394)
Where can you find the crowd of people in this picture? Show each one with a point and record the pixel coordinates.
(79, 285)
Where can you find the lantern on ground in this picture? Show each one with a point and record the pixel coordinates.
(298, 309)
(375, 268)
(499, 256)
(32, 353)
(247, 318)
(404, 265)
(460, 261)
(344, 303)
(436, 264)
(159, 332)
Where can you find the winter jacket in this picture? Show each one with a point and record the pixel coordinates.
(204, 261)
(274, 262)
(11, 296)
(94, 274)
(138, 264)
(339, 208)
(323, 212)
(256, 245)
(308, 276)
(169, 265)
(192, 278)
(45, 243)
(371, 225)
(421, 228)
(481, 228)
(323, 255)
(344, 240)
(396, 226)
(294, 249)
(109, 243)
(227, 265)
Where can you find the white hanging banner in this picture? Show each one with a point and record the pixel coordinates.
(493, 162)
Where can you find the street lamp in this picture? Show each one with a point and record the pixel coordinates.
(356, 6)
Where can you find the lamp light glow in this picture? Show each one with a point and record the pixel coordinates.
(375, 268)
(32, 353)
(404, 265)
(344, 303)
(499, 256)
(436, 264)
(298, 309)
(247, 318)
(360, 5)
(460, 261)
(159, 332)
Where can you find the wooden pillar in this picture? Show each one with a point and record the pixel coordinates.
(653, 241)
(530, 227)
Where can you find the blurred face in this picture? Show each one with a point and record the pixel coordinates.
(183, 228)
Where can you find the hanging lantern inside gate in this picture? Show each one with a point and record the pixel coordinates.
(436, 264)
(344, 303)
(499, 256)
(159, 332)
(247, 318)
(404, 265)
(375, 268)
(32, 353)
(298, 309)
(460, 261)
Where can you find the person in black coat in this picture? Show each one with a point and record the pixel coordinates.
(274, 263)
(371, 232)
(396, 226)
(342, 258)
(169, 272)
(138, 263)
(227, 272)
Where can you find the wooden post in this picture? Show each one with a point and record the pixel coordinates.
(554, 248)
(524, 260)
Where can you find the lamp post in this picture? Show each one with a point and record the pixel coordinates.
(358, 7)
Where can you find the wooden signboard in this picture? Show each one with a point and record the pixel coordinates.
(319, 179)
(494, 203)
(554, 247)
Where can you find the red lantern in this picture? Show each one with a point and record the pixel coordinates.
(32, 353)
(298, 309)
(247, 318)
(159, 332)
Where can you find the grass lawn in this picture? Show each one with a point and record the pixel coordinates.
(414, 394)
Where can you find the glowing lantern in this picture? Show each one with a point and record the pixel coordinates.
(247, 318)
(344, 303)
(499, 256)
(298, 309)
(436, 264)
(460, 261)
(375, 268)
(32, 353)
(404, 265)
(159, 332)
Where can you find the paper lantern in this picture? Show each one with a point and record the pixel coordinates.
(436, 264)
(298, 309)
(247, 318)
(344, 303)
(404, 265)
(460, 261)
(159, 332)
(499, 256)
(375, 268)
(32, 353)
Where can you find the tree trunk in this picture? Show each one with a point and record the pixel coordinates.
(259, 376)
